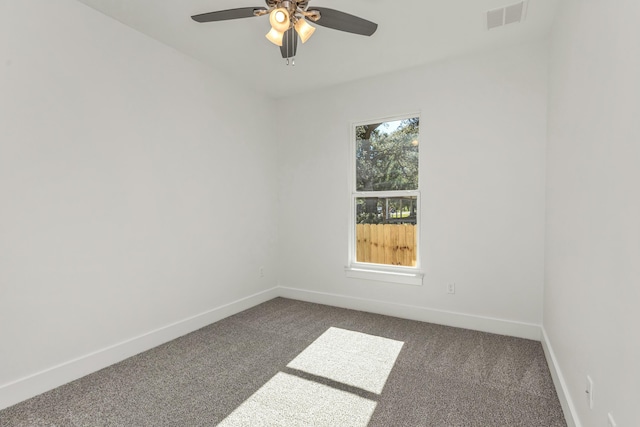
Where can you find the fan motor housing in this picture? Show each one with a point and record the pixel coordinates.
(291, 5)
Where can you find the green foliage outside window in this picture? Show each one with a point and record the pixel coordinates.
(387, 156)
(387, 160)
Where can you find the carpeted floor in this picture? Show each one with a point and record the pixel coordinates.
(237, 371)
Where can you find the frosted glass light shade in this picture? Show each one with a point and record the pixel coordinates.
(304, 29)
(279, 19)
(275, 37)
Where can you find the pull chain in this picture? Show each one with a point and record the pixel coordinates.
(288, 46)
(290, 34)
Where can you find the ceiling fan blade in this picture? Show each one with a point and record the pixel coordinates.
(342, 21)
(224, 15)
(289, 44)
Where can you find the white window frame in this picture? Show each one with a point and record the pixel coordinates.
(381, 272)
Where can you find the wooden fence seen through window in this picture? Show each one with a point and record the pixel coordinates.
(393, 244)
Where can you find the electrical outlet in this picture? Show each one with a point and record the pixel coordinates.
(610, 421)
(261, 271)
(451, 288)
(589, 391)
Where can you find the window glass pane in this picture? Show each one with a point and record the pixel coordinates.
(386, 230)
(387, 156)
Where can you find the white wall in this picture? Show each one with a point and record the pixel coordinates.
(483, 134)
(592, 286)
(128, 174)
(129, 181)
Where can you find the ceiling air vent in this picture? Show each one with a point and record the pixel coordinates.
(506, 15)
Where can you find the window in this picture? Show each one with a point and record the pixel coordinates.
(385, 201)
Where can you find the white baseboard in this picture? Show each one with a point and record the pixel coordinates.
(448, 318)
(40, 382)
(562, 390)
(48, 379)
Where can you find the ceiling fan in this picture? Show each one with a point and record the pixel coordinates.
(288, 19)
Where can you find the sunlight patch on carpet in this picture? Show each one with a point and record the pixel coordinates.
(352, 358)
(287, 400)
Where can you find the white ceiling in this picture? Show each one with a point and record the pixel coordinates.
(410, 33)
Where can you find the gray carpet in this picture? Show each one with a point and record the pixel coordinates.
(442, 376)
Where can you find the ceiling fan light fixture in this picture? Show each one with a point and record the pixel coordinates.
(304, 30)
(279, 19)
(291, 19)
(275, 37)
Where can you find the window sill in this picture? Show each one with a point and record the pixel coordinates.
(381, 274)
